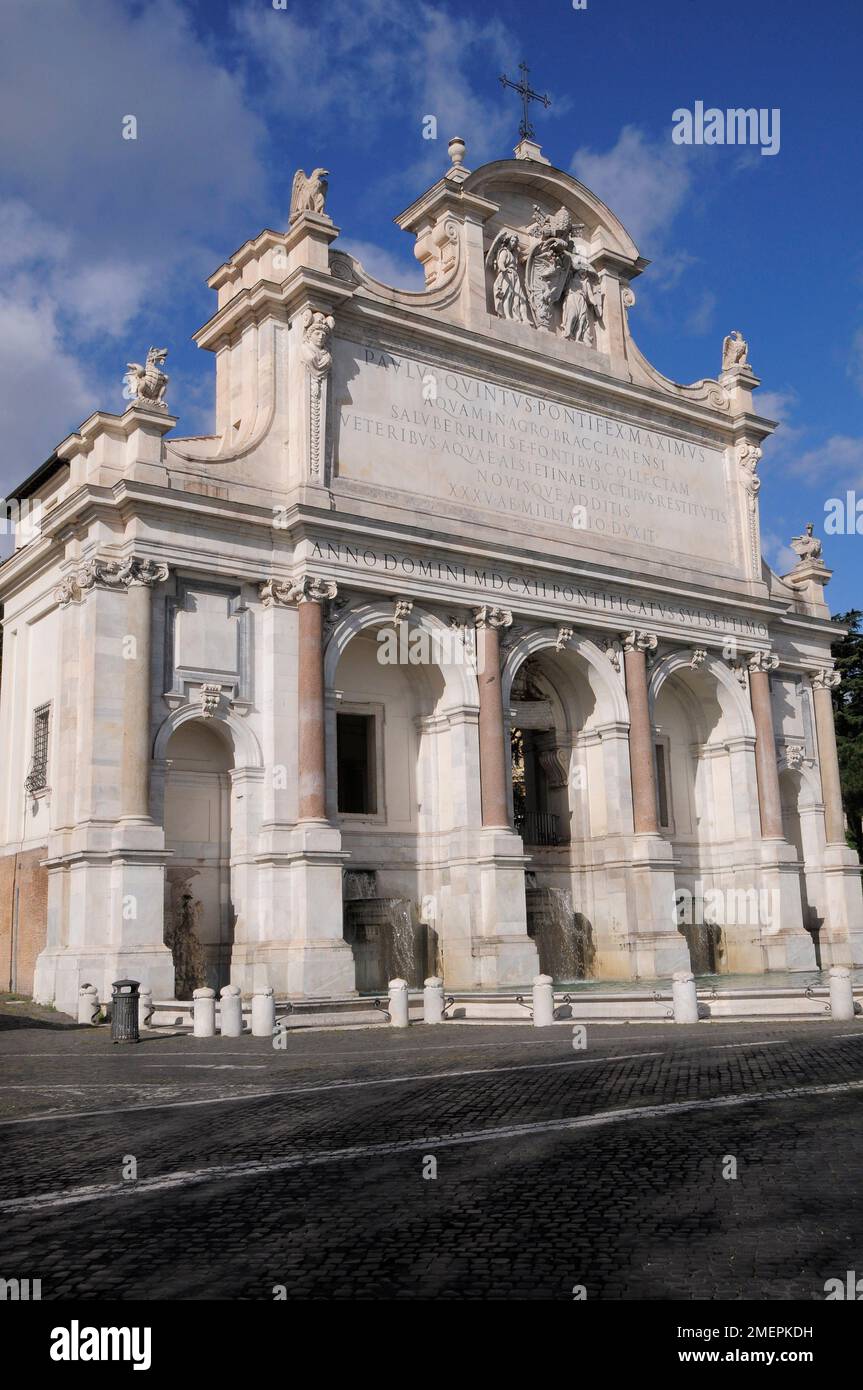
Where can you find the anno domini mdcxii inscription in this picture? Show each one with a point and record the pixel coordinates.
(401, 423)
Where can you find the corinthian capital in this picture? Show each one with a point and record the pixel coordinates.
(146, 572)
(639, 641)
(119, 574)
(824, 678)
(763, 661)
(493, 617)
(307, 589)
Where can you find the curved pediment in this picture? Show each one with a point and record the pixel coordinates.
(518, 186)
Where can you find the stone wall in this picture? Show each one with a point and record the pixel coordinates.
(26, 873)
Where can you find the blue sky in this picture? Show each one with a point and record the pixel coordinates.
(105, 243)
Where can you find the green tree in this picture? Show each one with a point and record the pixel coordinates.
(848, 713)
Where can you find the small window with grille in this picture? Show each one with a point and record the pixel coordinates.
(37, 777)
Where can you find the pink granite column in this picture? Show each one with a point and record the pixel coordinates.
(138, 576)
(310, 595)
(766, 771)
(831, 785)
(636, 645)
(494, 760)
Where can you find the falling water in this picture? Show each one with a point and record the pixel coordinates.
(564, 938)
(359, 883)
(386, 942)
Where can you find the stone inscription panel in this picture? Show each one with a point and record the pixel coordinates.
(401, 423)
(483, 583)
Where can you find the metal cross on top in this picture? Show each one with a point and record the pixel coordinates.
(526, 93)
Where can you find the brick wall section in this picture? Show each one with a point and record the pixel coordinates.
(25, 872)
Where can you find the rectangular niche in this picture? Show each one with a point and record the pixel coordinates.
(208, 638)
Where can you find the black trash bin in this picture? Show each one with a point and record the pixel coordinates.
(124, 1012)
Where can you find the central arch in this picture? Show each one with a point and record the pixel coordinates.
(567, 720)
(403, 785)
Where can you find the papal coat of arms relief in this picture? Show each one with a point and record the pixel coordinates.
(542, 276)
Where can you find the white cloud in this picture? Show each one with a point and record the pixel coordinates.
(76, 68)
(27, 237)
(401, 272)
(780, 406)
(386, 61)
(701, 317)
(777, 552)
(42, 387)
(97, 228)
(839, 460)
(645, 182)
(777, 405)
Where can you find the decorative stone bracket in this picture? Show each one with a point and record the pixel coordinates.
(315, 352)
(109, 574)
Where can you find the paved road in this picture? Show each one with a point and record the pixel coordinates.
(555, 1168)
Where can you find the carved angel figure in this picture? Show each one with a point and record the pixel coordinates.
(510, 301)
(734, 350)
(583, 302)
(309, 193)
(807, 546)
(147, 384)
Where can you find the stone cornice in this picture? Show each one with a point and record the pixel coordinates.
(445, 196)
(129, 500)
(119, 427)
(269, 298)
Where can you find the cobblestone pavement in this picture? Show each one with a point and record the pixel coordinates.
(304, 1168)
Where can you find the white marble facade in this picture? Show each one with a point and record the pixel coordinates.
(565, 543)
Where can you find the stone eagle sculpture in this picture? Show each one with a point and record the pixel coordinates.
(309, 193)
(734, 351)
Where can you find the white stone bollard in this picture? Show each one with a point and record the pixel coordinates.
(398, 1003)
(205, 1013)
(88, 1004)
(841, 993)
(543, 1001)
(433, 1000)
(685, 997)
(263, 1012)
(232, 1012)
(145, 1007)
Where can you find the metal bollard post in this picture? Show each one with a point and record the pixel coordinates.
(145, 1008)
(841, 993)
(88, 1004)
(263, 1012)
(124, 1012)
(543, 1001)
(433, 1000)
(232, 1012)
(398, 1003)
(685, 999)
(205, 1013)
